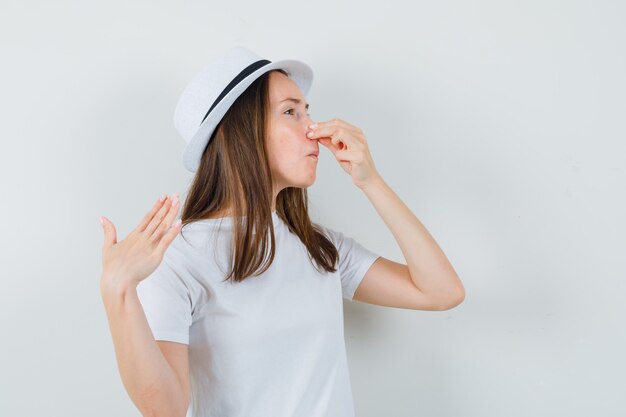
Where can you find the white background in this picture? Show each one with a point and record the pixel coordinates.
(499, 123)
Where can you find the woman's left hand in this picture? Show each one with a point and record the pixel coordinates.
(349, 146)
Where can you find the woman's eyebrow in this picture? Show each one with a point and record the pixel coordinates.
(296, 100)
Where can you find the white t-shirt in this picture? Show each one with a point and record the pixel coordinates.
(269, 346)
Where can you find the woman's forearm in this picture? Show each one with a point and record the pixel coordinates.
(430, 269)
(147, 376)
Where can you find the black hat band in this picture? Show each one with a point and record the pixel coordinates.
(243, 74)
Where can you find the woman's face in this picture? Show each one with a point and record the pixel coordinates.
(289, 150)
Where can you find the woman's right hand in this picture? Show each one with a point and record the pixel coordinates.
(125, 264)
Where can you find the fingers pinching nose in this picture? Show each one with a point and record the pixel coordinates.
(310, 133)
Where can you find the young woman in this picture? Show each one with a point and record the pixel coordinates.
(238, 310)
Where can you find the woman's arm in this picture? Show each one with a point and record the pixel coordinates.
(148, 378)
(152, 383)
(437, 282)
(428, 266)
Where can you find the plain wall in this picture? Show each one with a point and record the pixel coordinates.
(499, 123)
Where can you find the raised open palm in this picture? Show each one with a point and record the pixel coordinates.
(128, 262)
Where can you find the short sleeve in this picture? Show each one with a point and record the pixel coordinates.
(354, 261)
(166, 302)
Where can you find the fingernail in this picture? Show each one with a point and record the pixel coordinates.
(163, 197)
(309, 134)
(313, 126)
(101, 220)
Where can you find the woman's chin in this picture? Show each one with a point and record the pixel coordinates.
(310, 181)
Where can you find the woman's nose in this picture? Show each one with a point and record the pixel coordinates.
(308, 121)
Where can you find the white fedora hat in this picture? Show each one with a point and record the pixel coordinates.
(209, 95)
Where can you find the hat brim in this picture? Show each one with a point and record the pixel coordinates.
(298, 71)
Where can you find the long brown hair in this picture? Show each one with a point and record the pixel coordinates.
(234, 173)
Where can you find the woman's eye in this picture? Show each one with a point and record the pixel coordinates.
(291, 110)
